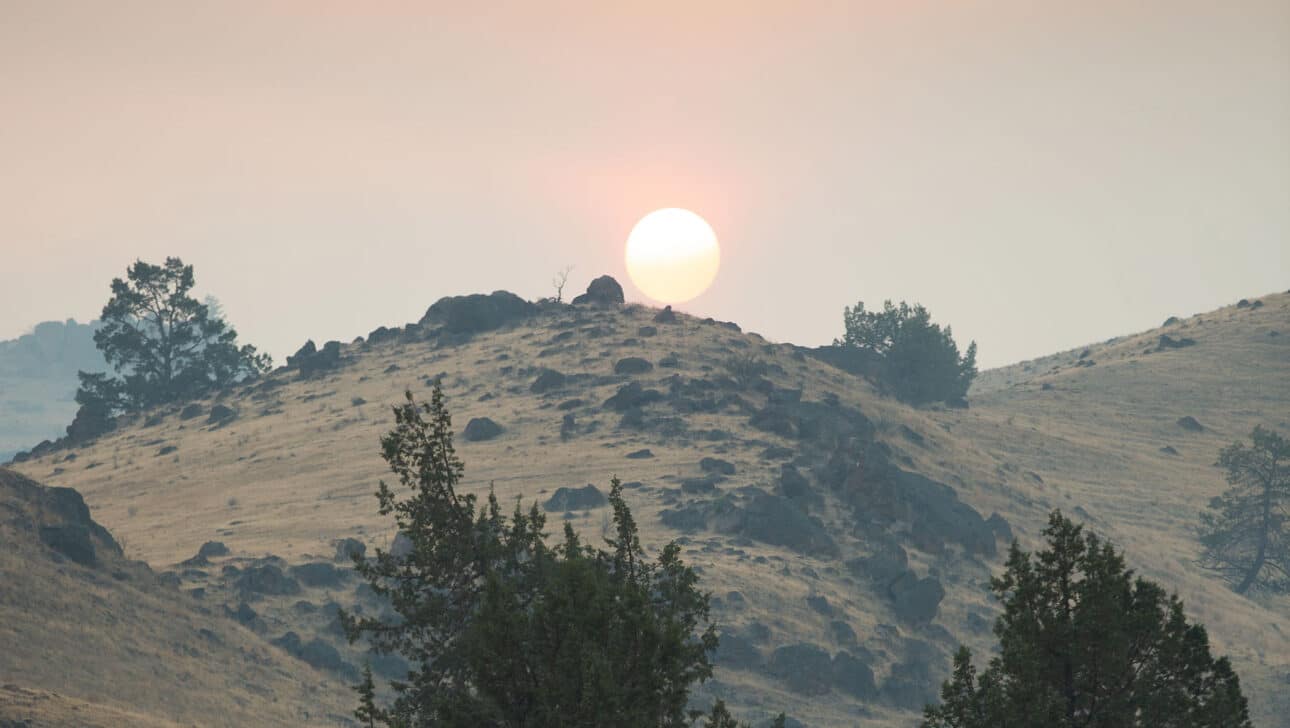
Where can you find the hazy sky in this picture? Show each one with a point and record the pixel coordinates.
(1039, 174)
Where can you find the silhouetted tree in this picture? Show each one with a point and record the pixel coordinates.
(1243, 533)
(502, 629)
(558, 282)
(1085, 643)
(162, 343)
(922, 361)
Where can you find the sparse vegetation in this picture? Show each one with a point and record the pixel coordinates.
(502, 629)
(163, 345)
(922, 361)
(745, 369)
(1243, 534)
(1085, 643)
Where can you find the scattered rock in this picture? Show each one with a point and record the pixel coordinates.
(1169, 450)
(853, 677)
(632, 396)
(641, 454)
(310, 360)
(266, 579)
(603, 290)
(700, 486)
(319, 573)
(1002, 529)
(167, 449)
(916, 600)
(842, 633)
(1189, 423)
(803, 668)
(820, 604)
(347, 549)
(666, 316)
(548, 380)
(717, 465)
(212, 549)
(191, 411)
(357, 401)
(737, 653)
(480, 429)
(221, 414)
(671, 361)
(646, 331)
(632, 365)
(576, 499)
(1169, 342)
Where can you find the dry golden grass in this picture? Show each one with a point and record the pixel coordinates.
(297, 468)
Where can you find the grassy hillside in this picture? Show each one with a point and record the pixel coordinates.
(295, 468)
(89, 638)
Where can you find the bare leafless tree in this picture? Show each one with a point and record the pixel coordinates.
(561, 278)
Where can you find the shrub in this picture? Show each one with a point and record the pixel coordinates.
(922, 361)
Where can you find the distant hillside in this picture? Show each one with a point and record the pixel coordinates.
(848, 539)
(38, 382)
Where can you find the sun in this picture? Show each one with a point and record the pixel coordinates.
(672, 255)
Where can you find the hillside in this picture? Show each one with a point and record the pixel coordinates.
(812, 505)
(91, 638)
(38, 382)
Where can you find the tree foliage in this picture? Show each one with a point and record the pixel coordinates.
(163, 344)
(502, 629)
(1243, 534)
(922, 360)
(1085, 643)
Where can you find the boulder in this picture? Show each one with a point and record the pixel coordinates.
(632, 365)
(71, 540)
(842, 633)
(820, 604)
(1189, 423)
(603, 290)
(737, 653)
(548, 380)
(700, 486)
(641, 454)
(318, 573)
(266, 579)
(481, 428)
(774, 520)
(310, 360)
(192, 410)
(916, 600)
(632, 396)
(347, 549)
(803, 668)
(212, 549)
(665, 316)
(575, 499)
(221, 414)
(717, 465)
(853, 677)
(477, 312)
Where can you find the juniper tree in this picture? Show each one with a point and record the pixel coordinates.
(501, 629)
(922, 360)
(1243, 534)
(1084, 643)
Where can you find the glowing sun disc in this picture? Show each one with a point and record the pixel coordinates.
(672, 255)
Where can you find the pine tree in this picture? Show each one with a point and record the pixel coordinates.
(1243, 533)
(1085, 643)
(501, 629)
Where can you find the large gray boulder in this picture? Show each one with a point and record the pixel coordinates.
(602, 290)
(476, 312)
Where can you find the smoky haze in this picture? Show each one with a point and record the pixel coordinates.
(1039, 175)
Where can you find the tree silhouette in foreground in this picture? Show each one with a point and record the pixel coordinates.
(163, 344)
(1243, 533)
(502, 629)
(1085, 643)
